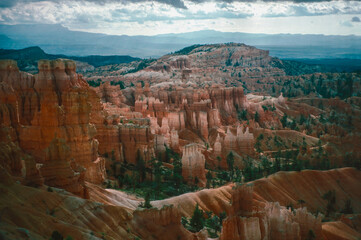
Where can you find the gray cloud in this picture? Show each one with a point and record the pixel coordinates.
(127, 15)
(174, 3)
(355, 19)
(252, 1)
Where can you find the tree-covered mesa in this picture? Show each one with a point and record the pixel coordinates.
(325, 85)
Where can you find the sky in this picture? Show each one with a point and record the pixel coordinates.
(145, 17)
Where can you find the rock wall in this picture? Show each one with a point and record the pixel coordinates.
(55, 103)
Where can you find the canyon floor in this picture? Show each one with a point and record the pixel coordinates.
(217, 141)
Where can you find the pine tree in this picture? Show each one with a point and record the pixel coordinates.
(330, 197)
(284, 120)
(140, 166)
(209, 178)
(257, 146)
(56, 236)
(157, 172)
(197, 220)
(256, 117)
(311, 235)
(230, 161)
(147, 201)
(177, 172)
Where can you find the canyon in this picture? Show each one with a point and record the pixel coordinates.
(223, 129)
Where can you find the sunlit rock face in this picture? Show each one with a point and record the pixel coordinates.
(55, 103)
(173, 110)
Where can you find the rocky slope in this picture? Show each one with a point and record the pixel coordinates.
(117, 216)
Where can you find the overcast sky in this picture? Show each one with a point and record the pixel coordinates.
(145, 17)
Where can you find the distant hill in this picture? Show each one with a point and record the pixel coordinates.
(27, 58)
(55, 39)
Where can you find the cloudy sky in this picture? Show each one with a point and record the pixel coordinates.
(145, 17)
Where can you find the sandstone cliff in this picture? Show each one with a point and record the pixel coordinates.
(55, 103)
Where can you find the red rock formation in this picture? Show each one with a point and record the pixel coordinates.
(57, 170)
(274, 222)
(136, 139)
(53, 103)
(310, 186)
(31, 173)
(282, 187)
(163, 224)
(241, 228)
(109, 93)
(24, 208)
(193, 165)
(339, 230)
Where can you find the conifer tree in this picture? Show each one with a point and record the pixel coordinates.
(197, 221)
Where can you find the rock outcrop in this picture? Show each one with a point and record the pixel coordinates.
(273, 222)
(193, 165)
(58, 171)
(55, 103)
(111, 94)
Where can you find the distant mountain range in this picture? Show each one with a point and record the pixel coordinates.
(27, 58)
(56, 39)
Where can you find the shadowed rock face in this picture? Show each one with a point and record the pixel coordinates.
(55, 103)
